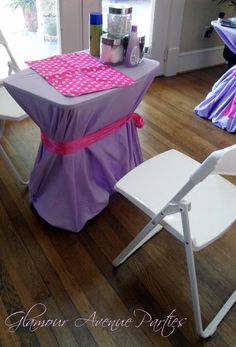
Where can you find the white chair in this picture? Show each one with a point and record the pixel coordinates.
(9, 109)
(158, 187)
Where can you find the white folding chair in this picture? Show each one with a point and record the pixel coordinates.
(158, 187)
(9, 109)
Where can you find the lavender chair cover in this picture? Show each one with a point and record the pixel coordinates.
(217, 101)
(69, 190)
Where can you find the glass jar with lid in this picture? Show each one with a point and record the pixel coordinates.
(119, 20)
(112, 50)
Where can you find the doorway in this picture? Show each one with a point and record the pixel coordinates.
(30, 28)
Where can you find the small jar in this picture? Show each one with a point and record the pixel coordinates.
(112, 50)
(119, 20)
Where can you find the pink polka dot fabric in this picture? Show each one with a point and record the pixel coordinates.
(75, 74)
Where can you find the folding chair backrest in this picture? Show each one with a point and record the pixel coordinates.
(221, 162)
(12, 64)
(9, 109)
(227, 163)
(2, 39)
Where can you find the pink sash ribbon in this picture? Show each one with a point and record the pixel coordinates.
(85, 141)
(230, 110)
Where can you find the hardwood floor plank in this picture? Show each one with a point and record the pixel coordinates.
(56, 278)
(6, 338)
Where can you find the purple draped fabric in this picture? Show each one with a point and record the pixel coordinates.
(69, 190)
(216, 104)
(228, 35)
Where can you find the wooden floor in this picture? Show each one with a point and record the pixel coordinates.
(70, 276)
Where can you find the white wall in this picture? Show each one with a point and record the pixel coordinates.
(197, 14)
(186, 49)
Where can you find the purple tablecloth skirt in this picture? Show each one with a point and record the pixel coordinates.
(68, 190)
(216, 103)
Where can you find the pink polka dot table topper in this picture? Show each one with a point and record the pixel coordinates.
(75, 74)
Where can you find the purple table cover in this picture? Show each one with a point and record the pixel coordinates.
(228, 35)
(218, 101)
(69, 190)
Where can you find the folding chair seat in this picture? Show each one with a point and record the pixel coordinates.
(9, 109)
(158, 187)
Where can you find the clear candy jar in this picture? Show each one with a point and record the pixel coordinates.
(112, 50)
(119, 20)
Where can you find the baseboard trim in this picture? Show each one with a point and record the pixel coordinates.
(199, 59)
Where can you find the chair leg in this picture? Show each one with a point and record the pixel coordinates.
(212, 326)
(143, 236)
(2, 127)
(12, 167)
(8, 160)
